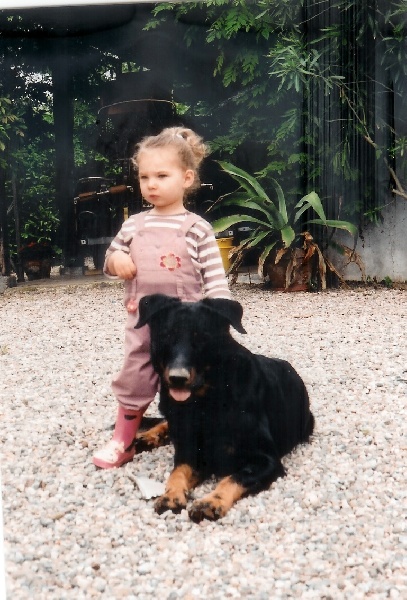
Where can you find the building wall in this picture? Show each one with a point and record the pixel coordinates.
(382, 247)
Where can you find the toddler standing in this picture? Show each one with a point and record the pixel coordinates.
(165, 250)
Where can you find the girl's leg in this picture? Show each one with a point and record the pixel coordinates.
(134, 387)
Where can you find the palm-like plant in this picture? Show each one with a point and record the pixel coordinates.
(277, 229)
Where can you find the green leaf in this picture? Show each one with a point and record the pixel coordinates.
(281, 200)
(311, 200)
(243, 200)
(244, 178)
(225, 222)
(336, 225)
(256, 238)
(287, 235)
(300, 212)
(314, 200)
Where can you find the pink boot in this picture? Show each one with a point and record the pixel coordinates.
(120, 449)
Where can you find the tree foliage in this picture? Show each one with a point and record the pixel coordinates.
(27, 135)
(11, 124)
(312, 64)
(309, 92)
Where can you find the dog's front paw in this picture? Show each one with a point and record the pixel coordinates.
(174, 502)
(152, 438)
(215, 505)
(206, 509)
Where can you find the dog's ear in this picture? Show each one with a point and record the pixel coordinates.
(149, 306)
(230, 310)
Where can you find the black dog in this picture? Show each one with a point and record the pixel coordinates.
(230, 413)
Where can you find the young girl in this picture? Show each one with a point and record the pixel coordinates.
(165, 250)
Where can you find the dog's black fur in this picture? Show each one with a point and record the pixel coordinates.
(244, 411)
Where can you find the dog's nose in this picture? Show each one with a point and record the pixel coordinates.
(178, 377)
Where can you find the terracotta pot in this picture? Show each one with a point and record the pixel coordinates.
(36, 261)
(37, 269)
(300, 276)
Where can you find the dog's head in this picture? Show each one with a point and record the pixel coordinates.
(184, 335)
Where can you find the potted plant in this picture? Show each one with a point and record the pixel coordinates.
(38, 250)
(288, 252)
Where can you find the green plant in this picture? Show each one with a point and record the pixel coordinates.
(40, 226)
(278, 227)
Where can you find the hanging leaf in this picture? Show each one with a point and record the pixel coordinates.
(279, 255)
(352, 229)
(263, 257)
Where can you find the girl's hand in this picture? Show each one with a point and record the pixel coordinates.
(120, 264)
(132, 306)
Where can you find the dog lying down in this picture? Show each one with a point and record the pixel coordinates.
(229, 413)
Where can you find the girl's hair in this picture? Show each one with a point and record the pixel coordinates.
(190, 147)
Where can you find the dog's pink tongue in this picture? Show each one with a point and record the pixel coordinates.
(180, 395)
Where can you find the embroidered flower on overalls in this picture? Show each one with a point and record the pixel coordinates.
(170, 261)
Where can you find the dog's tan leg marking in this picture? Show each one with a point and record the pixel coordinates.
(153, 438)
(215, 505)
(182, 479)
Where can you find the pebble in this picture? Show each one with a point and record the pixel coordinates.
(334, 527)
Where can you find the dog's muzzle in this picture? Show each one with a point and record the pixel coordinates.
(179, 381)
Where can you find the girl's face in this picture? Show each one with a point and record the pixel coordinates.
(163, 180)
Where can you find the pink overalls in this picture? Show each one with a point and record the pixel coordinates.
(163, 266)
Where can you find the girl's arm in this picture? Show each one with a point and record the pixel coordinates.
(207, 255)
(118, 262)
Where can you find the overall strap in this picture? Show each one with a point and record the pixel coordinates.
(139, 220)
(190, 220)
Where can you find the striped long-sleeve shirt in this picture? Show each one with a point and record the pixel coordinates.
(201, 244)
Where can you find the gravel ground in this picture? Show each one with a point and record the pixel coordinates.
(335, 527)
